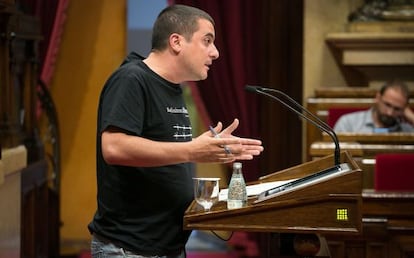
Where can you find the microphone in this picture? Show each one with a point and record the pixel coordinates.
(297, 108)
(316, 120)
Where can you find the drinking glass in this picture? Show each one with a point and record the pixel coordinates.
(206, 191)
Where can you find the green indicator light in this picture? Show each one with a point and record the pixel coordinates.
(342, 214)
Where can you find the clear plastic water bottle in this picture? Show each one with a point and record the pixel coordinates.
(237, 195)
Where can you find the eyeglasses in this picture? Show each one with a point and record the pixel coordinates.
(391, 106)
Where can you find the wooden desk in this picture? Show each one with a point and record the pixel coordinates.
(364, 148)
(12, 162)
(388, 228)
(390, 138)
(40, 213)
(29, 213)
(10, 215)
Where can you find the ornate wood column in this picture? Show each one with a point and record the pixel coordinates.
(19, 38)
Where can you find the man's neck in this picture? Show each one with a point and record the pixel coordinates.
(163, 65)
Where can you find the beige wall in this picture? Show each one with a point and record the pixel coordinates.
(92, 46)
(319, 66)
(320, 18)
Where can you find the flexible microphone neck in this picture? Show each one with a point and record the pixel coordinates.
(316, 121)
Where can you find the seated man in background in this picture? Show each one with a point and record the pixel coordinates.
(390, 113)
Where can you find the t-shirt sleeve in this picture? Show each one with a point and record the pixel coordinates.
(122, 104)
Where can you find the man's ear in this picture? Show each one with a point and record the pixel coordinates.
(175, 42)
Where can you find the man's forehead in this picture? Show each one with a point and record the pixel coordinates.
(394, 92)
(395, 95)
(205, 27)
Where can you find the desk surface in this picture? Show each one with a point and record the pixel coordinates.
(356, 149)
(365, 151)
(395, 138)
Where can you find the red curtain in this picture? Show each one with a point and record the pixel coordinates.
(222, 94)
(282, 53)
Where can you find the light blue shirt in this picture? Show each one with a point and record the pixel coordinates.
(361, 122)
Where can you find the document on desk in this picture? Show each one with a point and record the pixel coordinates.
(255, 189)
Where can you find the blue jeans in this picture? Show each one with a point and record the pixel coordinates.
(104, 249)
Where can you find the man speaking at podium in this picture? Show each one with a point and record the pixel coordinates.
(390, 113)
(144, 141)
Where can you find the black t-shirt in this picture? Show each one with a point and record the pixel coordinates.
(142, 208)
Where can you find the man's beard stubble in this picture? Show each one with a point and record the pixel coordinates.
(387, 121)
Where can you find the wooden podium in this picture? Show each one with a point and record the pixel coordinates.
(325, 206)
(355, 222)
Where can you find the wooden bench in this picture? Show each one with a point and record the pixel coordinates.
(362, 147)
(326, 99)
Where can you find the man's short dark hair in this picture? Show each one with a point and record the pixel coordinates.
(179, 19)
(396, 84)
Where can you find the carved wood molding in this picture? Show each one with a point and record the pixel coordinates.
(363, 41)
(366, 57)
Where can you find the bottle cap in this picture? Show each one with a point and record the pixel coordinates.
(237, 165)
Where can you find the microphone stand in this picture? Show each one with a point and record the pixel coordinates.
(316, 121)
(308, 116)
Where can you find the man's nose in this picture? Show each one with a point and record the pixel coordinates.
(215, 53)
(390, 112)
